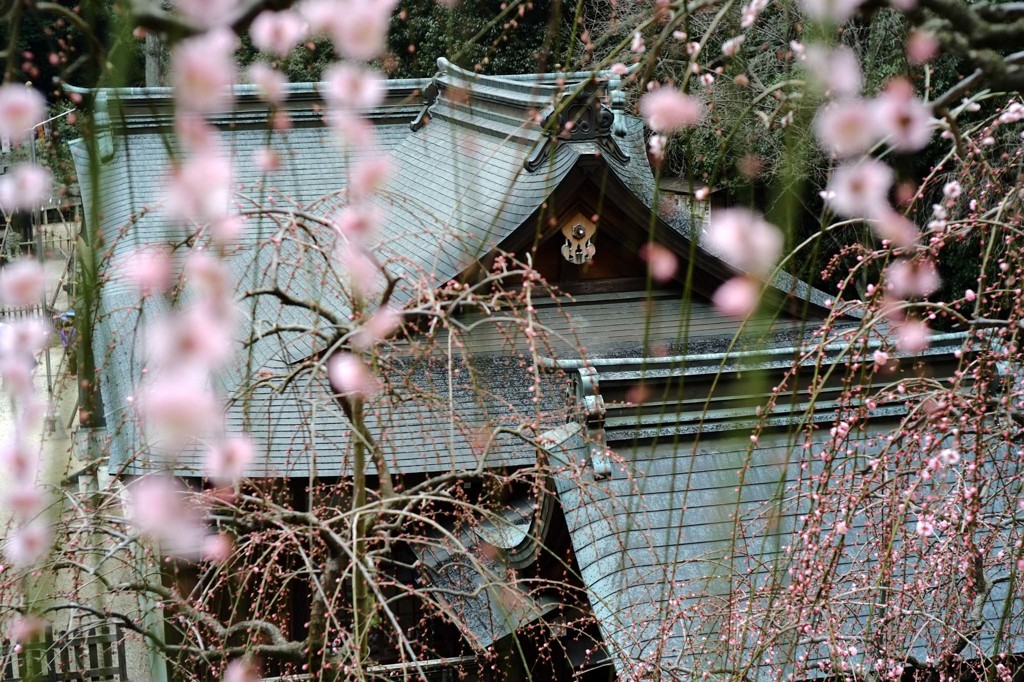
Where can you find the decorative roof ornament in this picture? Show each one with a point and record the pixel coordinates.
(579, 240)
(581, 117)
(429, 97)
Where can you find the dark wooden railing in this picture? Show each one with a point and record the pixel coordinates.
(92, 655)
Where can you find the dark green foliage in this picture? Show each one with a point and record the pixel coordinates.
(516, 41)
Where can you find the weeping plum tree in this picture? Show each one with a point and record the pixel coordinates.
(906, 550)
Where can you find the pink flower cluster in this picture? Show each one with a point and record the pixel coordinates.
(21, 284)
(849, 127)
(752, 245)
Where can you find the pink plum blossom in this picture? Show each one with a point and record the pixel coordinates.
(149, 269)
(27, 336)
(25, 186)
(350, 86)
(19, 461)
(25, 498)
(277, 32)
(21, 108)
(158, 506)
(322, 16)
(207, 13)
(266, 160)
(154, 503)
(22, 282)
(656, 146)
(913, 278)
(16, 370)
(912, 336)
(901, 119)
(352, 130)
(880, 358)
(661, 262)
(860, 190)
(25, 628)
(952, 190)
(845, 128)
(194, 133)
(200, 190)
(361, 270)
(637, 45)
(357, 221)
(837, 70)
(204, 70)
(745, 240)
(240, 670)
(731, 46)
(227, 229)
(209, 275)
(349, 376)
(369, 174)
(922, 46)
(949, 456)
(667, 110)
(832, 11)
(383, 322)
(198, 336)
(895, 228)
(28, 544)
(737, 297)
(216, 548)
(272, 84)
(178, 406)
(227, 461)
(925, 526)
(970, 295)
(360, 29)
(751, 11)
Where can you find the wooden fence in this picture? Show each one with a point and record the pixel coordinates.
(92, 655)
(20, 313)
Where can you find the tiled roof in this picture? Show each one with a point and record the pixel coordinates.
(459, 189)
(673, 524)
